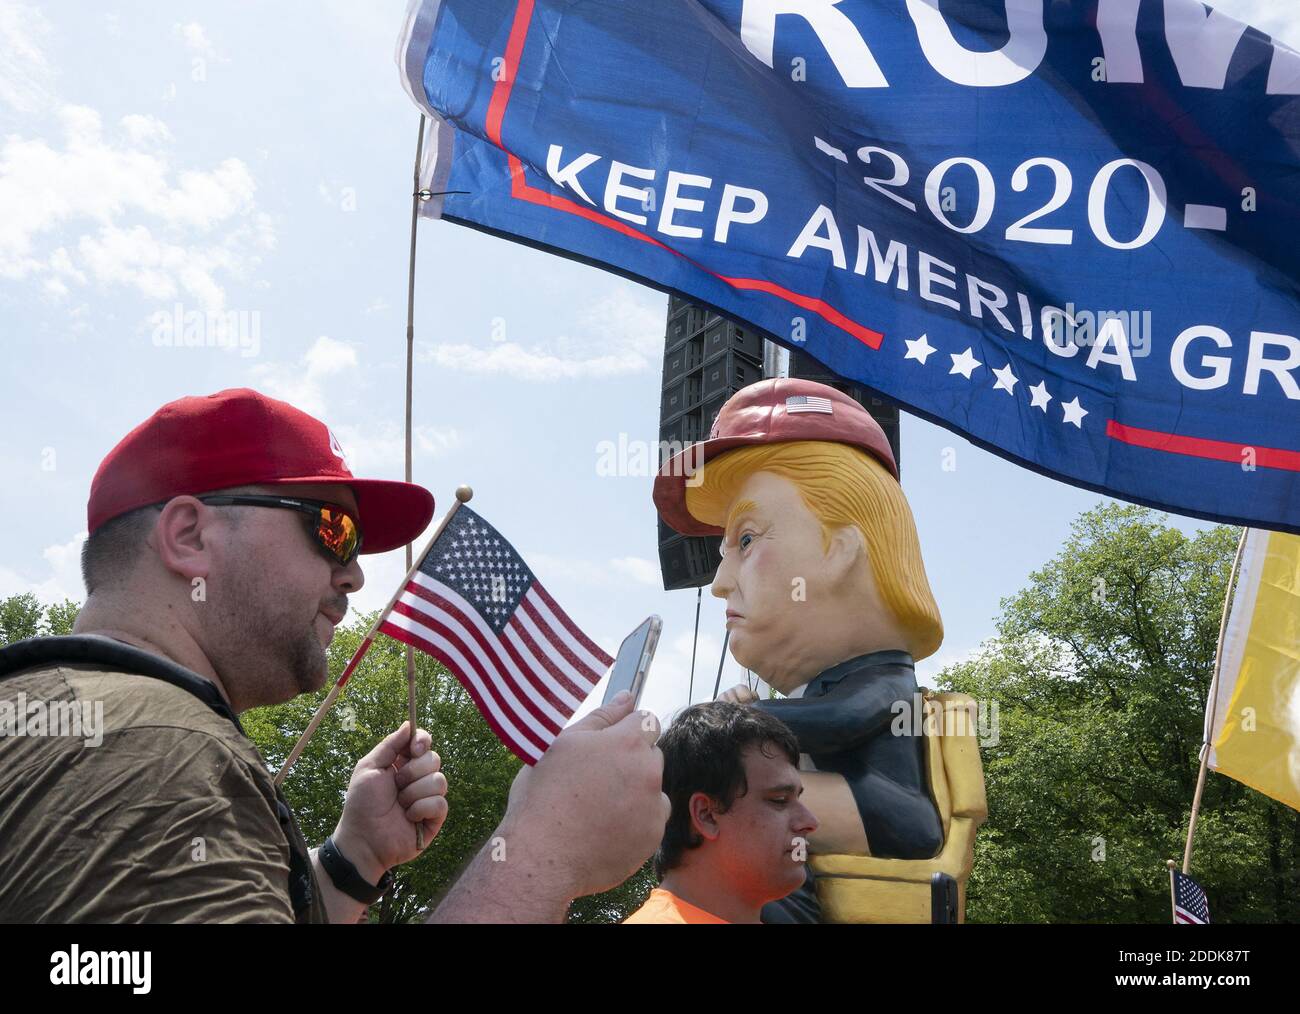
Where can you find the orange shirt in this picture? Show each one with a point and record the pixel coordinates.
(665, 907)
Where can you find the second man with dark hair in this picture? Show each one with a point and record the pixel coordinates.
(737, 836)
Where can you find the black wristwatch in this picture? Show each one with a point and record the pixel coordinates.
(346, 878)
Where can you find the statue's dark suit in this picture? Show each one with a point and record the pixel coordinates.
(843, 722)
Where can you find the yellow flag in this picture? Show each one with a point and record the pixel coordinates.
(1253, 715)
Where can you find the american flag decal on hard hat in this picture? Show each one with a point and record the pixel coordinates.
(808, 403)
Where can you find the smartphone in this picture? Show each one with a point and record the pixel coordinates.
(633, 661)
(943, 899)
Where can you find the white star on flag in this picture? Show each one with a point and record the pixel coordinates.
(1074, 412)
(918, 349)
(1006, 380)
(965, 364)
(1038, 396)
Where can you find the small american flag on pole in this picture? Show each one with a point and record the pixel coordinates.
(473, 604)
(1190, 903)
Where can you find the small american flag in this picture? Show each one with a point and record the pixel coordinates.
(808, 403)
(1190, 903)
(474, 605)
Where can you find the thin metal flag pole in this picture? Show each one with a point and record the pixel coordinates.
(463, 495)
(721, 659)
(1213, 701)
(699, 594)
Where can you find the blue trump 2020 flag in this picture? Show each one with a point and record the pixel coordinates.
(1068, 230)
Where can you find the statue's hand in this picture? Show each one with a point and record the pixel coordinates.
(739, 694)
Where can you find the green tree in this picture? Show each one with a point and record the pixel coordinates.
(60, 617)
(1100, 671)
(23, 616)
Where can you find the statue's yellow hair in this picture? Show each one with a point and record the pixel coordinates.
(841, 485)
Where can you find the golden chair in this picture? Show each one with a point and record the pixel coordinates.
(867, 889)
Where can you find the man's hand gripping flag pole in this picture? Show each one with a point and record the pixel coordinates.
(463, 495)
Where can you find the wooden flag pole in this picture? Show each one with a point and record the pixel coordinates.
(1213, 701)
(1173, 894)
(410, 360)
(463, 495)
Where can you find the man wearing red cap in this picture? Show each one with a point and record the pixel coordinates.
(224, 536)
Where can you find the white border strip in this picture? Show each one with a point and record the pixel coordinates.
(413, 48)
(439, 142)
(1234, 637)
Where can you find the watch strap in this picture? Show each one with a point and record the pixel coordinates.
(346, 878)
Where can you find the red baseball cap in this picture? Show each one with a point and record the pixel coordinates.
(775, 411)
(242, 438)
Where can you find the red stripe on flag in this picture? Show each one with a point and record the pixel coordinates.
(1199, 447)
(557, 642)
(488, 679)
(543, 659)
(514, 50)
(491, 649)
(406, 637)
(545, 663)
(871, 339)
(605, 660)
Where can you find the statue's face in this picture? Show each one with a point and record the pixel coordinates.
(772, 581)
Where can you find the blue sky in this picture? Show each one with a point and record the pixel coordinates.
(257, 158)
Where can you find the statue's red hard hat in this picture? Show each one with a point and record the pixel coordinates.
(775, 411)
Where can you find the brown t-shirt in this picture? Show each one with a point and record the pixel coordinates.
(171, 818)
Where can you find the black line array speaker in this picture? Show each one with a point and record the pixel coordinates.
(707, 359)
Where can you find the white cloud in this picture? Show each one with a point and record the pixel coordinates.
(378, 446)
(196, 40)
(535, 363)
(381, 447)
(383, 573)
(327, 357)
(104, 181)
(145, 129)
(621, 334)
(63, 580)
(557, 570)
(929, 668)
(302, 383)
(638, 569)
(26, 77)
